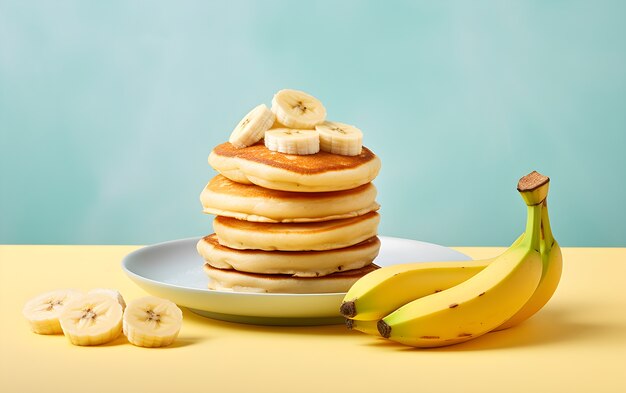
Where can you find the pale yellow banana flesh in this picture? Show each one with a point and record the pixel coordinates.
(252, 127)
(114, 293)
(297, 109)
(340, 138)
(92, 319)
(43, 311)
(292, 141)
(152, 322)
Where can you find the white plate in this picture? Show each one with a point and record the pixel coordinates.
(173, 270)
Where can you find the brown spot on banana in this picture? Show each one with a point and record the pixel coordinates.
(480, 294)
(430, 337)
(453, 305)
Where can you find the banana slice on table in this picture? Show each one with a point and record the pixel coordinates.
(292, 141)
(251, 128)
(297, 109)
(92, 319)
(340, 138)
(152, 322)
(114, 293)
(43, 311)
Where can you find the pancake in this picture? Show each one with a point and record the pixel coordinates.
(310, 236)
(224, 197)
(318, 172)
(295, 263)
(232, 280)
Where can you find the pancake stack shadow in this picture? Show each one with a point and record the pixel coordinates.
(289, 223)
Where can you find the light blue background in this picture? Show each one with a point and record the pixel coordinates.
(108, 110)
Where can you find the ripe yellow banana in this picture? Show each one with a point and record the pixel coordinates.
(382, 291)
(368, 327)
(552, 261)
(484, 301)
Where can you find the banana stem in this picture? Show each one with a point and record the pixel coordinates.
(546, 230)
(532, 235)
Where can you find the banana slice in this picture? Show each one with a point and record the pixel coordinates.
(251, 128)
(114, 293)
(92, 319)
(297, 109)
(291, 141)
(340, 138)
(43, 311)
(152, 322)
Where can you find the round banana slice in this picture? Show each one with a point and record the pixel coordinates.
(291, 141)
(340, 138)
(297, 109)
(43, 311)
(152, 322)
(251, 128)
(92, 319)
(114, 293)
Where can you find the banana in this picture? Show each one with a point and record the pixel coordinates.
(297, 109)
(114, 293)
(484, 301)
(340, 138)
(152, 322)
(382, 291)
(552, 260)
(291, 141)
(252, 127)
(368, 327)
(43, 311)
(92, 319)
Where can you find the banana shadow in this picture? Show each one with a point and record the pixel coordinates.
(550, 326)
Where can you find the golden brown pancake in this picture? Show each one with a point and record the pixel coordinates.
(224, 197)
(318, 172)
(232, 280)
(295, 263)
(310, 236)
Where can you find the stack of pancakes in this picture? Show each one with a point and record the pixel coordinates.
(289, 223)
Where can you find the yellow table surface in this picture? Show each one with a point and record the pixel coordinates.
(577, 343)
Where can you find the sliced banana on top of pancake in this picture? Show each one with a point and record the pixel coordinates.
(252, 127)
(293, 141)
(340, 138)
(297, 109)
